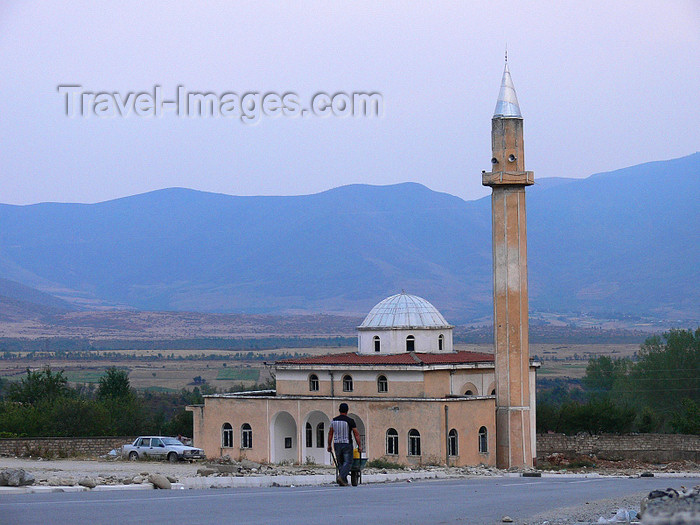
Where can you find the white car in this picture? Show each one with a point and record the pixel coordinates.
(159, 447)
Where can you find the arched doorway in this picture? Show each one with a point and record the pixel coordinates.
(283, 436)
(361, 429)
(315, 439)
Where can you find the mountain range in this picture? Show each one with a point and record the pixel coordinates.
(625, 241)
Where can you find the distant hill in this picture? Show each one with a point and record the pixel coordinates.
(19, 302)
(624, 241)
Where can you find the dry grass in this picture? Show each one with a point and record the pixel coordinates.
(174, 374)
(164, 374)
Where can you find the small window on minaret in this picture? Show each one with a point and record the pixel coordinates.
(441, 342)
(377, 344)
(410, 344)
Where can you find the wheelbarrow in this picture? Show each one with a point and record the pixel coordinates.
(358, 463)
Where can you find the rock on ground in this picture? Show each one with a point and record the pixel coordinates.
(671, 507)
(88, 482)
(160, 481)
(16, 477)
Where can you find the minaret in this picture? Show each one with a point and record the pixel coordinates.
(508, 178)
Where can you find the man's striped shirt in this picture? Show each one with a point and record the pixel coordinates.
(342, 427)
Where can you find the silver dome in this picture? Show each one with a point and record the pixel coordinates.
(404, 311)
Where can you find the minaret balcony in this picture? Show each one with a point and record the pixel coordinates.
(508, 178)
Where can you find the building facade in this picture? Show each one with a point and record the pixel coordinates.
(415, 400)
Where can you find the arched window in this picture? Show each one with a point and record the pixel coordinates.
(493, 392)
(320, 435)
(452, 443)
(410, 344)
(413, 442)
(227, 435)
(246, 436)
(347, 383)
(382, 384)
(377, 343)
(313, 383)
(392, 442)
(441, 342)
(309, 435)
(469, 393)
(483, 440)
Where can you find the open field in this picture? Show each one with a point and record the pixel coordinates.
(131, 324)
(162, 370)
(170, 370)
(571, 360)
(148, 325)
(169, 376)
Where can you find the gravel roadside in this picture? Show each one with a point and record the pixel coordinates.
(44, 469)
(588, 513)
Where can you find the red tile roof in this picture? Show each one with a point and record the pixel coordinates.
(409, 358)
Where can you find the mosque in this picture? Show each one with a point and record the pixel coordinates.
(415, 399)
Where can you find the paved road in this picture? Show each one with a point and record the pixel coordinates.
(481, 501)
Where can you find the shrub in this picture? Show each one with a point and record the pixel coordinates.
(384, 464)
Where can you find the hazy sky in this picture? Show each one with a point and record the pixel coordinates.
(602, 85)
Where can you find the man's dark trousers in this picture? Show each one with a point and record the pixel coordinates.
(343, 455)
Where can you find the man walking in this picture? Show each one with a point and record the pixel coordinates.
(339, 439)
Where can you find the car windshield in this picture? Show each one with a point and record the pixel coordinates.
(171, 441)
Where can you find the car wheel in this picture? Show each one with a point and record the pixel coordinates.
(133, 456)
(172, 457)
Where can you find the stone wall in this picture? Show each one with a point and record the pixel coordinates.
(644, 447)
(61, 446)
(653, 448)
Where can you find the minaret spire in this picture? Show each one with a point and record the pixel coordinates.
(507, 105)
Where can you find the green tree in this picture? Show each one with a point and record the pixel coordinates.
(604, 372)
(548, 415)
(74, 417)
(180, 424)
(126, 417)
(40, 385)
(687, 419)
(668, 370)
(648, 421)
(114, 384)
(596, 416)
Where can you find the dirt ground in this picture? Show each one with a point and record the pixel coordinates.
(113, 469)
(81, 468)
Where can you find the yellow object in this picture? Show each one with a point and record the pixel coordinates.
(355, 453)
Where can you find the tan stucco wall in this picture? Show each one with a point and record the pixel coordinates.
(401, 383)
(377, 416)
